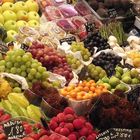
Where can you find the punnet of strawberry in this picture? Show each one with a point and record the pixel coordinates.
(72, 126)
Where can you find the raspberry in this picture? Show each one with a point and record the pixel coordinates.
(64, 131)
(78, 123)
(53, 125)
(69, 118)
(69, 126)
(83, 131)
(61, 117)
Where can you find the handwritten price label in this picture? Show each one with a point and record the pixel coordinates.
(14, 129)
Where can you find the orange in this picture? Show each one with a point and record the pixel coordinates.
(73, 94)
(86, 89)
(81, 88)
(92, 88)
(91, 81)
(79, 97)
(88, 84)
(64, 93)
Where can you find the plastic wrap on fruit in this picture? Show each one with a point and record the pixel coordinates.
(66, 25)
(78, 21)
(82, 8)
(52, 13)
(68, 10)
(18, 78)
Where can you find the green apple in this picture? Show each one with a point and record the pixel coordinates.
(32, 5)
(33, 16)
(21, 23)
(20, 5)
(22, 15)
(10, 36)
(7, 6)
(9, 15)
(33, 23)
(1, 19)
(10, 25)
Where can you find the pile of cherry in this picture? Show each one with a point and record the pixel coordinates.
(65, 126)
(51, 59)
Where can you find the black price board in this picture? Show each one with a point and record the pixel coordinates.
(14, 129)
(24, 47)
(89, 27)
(115, 134)
(112, 13)
(69, 40)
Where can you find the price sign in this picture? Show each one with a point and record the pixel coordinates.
(24, 47)
(14, 129)
(115, 134)
(69, 40)
(89, 27)
(112, 13)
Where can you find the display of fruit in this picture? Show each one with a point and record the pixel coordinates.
(102, 6)
(18, 105)
(94, 40)
(72, 126)
(129, 76)
(83, 90)
(108, 61)
(79, 46)
(5, 88)
(114, 112)
(135, 57)
(113, 83)
(51, 59)
(13, 14)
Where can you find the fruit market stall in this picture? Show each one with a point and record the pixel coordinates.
(69, 70)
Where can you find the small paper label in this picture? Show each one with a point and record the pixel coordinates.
(68, 40)
(112, 13)
(14, 129)
(89, 27)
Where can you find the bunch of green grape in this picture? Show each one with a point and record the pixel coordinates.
(96, 72)
(73, 62)
(79, 46)
(21, 63)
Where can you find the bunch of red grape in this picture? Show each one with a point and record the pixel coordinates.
(51, 59)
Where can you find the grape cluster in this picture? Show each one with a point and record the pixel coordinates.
(51, 59)
(96, 40)
(114, 112)
(95, 72)
(73, 62)
(79, 46)
(21, 63)
(108, 61)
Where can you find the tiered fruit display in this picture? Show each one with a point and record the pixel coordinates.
(79, 46)
(114, 112)
(108, 61)
(129, 76)
(18, 105)
(135, 57)
(72, 126)
(95, 72)
(96, 40)
(14, 16)
(83, 91)
(52, 60)
(21, 63)
(113, 83)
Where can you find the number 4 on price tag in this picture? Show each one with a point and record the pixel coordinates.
(14, 129)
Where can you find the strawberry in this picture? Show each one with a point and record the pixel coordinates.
(34, 136)
(5, 117)
(28, 128)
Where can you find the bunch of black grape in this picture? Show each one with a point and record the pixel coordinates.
(96, 40)
(108, 61)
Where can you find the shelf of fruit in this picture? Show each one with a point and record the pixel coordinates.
(64, 73)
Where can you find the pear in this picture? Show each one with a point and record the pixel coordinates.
(135, 81)
(134, 73)
(114, 81)
(108, 86)
(118, 75)
(105, 79)
(127, 79)
(126, 74)
(119, 69)
(122, 87)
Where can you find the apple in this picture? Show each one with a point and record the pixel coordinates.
(7, 6)
(33, 23)
(10, 25)
(33, 16)
(9, 15)
(20, 5)
(22, 15)
(32, 5)
(10, 36)
(1, 19)
(21, 23)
